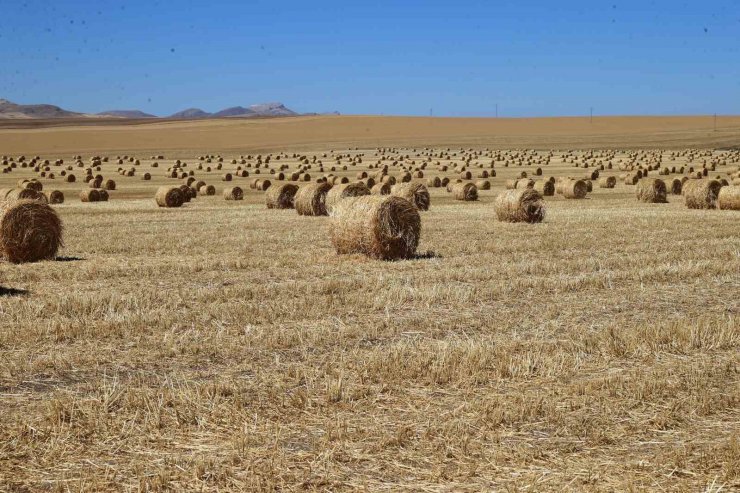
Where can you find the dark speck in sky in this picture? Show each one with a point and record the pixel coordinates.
(706, 30)
(172, 50)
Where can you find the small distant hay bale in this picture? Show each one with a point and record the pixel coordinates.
(729, 198)
(29, 231)
(701, 194)
(233, 193)
(342, 191)
(55, 197)
(227, 177)
(381, 227)
(281, 196)
(483, 184)
(546, 188)
(467, 192)
(574, 189)
(70, 178)
(169, 197)
(90, 195)
(607, 182)
(416, 193)
(146, 176)
(434, 182)
(523, 205)
(524, 183)
(310, 200)
(676, 186)
(109, 185)
(207, 190)
(652, 190)
(103, 194)
(381, 189)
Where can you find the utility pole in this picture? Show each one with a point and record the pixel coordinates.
(431, 111)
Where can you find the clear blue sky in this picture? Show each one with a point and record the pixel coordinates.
(532, 58)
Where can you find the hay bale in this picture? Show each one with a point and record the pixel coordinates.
(729, 198)
(676, 186)
(416, 193)
(103, 194)
(467, 192)
(434, 182)
(701, 194)
(483, 184)
(169, 197)
(233, 193)
(109, 185)
(310, 200)
(524, 183)
(632, 179)
(23, 194)
(263, 185)
(29, 231)
(90, 195)
(574, 189)
(207, 190)
(55, 197)
(281, 196)
(381, 189)
(607, 182)
(382, 227)
(342, 191)
(523, 205)
(186, 192)
(652, 190)
(510, 184)
(545, 188)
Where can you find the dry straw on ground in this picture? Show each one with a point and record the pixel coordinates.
(651, 190)
(310, 200)
(467, 192)
(169, 197)
(416, 193)
(701, 194)
(524, 205)
(29, 231)
(729, 198)
(340, 192)
(382, 227)
(281, 196)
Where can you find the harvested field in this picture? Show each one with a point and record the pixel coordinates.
(225, 346)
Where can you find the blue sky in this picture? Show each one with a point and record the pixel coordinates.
(531, 58)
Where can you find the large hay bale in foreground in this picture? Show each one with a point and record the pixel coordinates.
(169, 197)
(574, 189)
(340, 192)
(382, 227)
(29, 231)
(701, 194)
(652, 190)
(544, 187)
(729, 198)
(416, 193)
(310, 200)
(517, 206)
(233, 193)
(607, 182)
(281, 196)
(467, 192)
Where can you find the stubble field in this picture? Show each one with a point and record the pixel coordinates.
(227, 347)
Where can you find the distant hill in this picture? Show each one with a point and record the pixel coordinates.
(9, 109)
(127, 114)
(234, 111)
(271, 109)
(191, 113)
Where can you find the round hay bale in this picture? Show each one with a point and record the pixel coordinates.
(90, 195)
(381, 227)
(381, 189)
(701, 194)
(186, 192)
(55, 197)
(483, 184)
(632, 179)
(109, 185)
(29, 231)
(207, 190)
(517, 206)
(342, 191)
(227, 177)
(574, 189)
(146, 177)
(310, 200)
(70, 178)
(263, 185)
(676, 186)
(434, 182)
(546, 188)
(281, 196)
(467, 192)
(416, 193)
(103, 194)
(510, 184)
(524, 183)
(652, 190)
(33, 185)
(607, 182)
(729, 198)
(233, 193)
(23, 194)
(169, 197)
